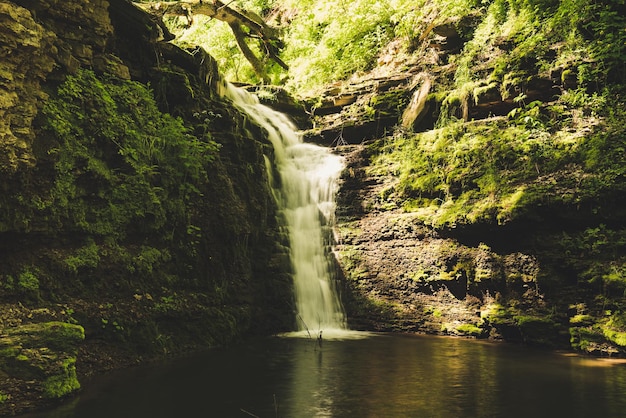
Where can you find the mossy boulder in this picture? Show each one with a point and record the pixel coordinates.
(43, 353)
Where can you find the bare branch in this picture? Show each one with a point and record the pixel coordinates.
(236, 19)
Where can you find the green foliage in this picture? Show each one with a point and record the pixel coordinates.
(170, 303)
(463, 172)
(120, 168)
(148, 258)
(595, 242)
(592, 335)
(517, 38)
(325, 41)
(597, 30)
(85, 257)
(585, 338)
(217, 39)
(25, 284)
(581, 320)
(495, 170)
(470, 329)
(615, 329)
(331, 40)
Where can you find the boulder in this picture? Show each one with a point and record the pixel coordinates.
(42, 355)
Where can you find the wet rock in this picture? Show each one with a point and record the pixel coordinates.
(451, 35)
(279, 99)
(110, 64)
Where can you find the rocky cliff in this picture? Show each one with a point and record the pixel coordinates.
(483, 184)
(487, 205)
(135, 214)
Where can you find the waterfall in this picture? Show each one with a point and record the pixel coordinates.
(305, 194)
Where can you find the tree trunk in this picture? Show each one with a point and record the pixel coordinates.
(257, 65)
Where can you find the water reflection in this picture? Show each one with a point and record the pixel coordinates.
(394, 376)
(379, 376)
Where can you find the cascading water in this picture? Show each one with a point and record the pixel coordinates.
(306, 196)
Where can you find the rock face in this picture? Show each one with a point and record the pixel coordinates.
(135, 203)
(402, 275)
(26, 59)
(360, 111)
(447, 226)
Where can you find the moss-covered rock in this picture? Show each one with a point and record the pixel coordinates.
(44, 354)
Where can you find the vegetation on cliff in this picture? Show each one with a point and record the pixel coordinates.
(530, 135)
(333, 40)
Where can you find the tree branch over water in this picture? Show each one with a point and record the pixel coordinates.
(244, 24)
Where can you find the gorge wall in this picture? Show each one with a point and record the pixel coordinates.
(488, 207)
(136, 218)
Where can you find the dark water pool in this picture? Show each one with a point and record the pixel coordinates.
(378, 376)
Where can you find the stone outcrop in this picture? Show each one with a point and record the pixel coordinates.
(401, 275)
(525, 276)
(359, 111)
(26, 59)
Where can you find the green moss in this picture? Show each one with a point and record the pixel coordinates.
(114, 144)
(21, 357)
(614, 329)
(581, 320)
(585, 338)
(389, 103)
(24, 285)
(27, 281)
(539, 330)
(617, 337)
(499, 170)
(63, 383)
(470, 329)
(86, 257)
(420, 275)
(499, 315)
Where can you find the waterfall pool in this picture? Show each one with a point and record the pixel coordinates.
(379, 375)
